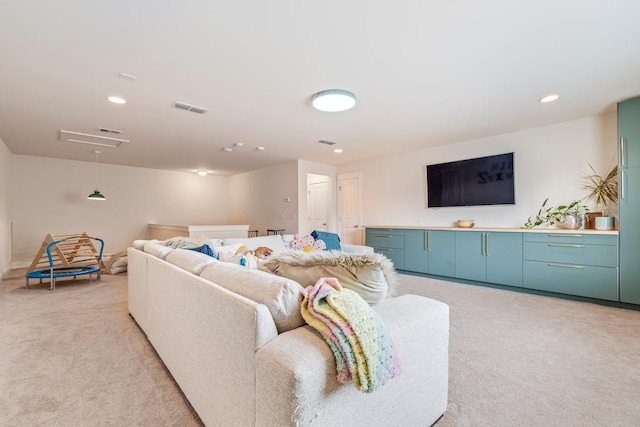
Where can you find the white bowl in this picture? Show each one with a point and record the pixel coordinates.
(465, 223)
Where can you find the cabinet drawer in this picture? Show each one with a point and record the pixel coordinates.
(586, 281)
(390, 239)
(572, 253)
(587, 239)
(395, 255)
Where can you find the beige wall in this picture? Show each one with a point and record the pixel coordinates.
(306, 170)
(258, 197)
(50, 196)
(549, 162)
(5, 209)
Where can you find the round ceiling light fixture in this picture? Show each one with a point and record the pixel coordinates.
(333, 100)
(202, 172)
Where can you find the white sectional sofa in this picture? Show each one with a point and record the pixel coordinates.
(235, 342)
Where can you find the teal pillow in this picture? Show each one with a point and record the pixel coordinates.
(332, 240)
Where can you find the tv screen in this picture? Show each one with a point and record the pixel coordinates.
(473, 182)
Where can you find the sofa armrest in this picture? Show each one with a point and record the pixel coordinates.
(356, 249)
(296, 376)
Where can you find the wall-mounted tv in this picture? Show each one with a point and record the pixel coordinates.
(472, 182)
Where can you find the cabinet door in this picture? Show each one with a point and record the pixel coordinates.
(629, 199)
(629, 133)
(416, 251)
(471, 262)
(629, 235)
(442, 254)
(504, 258)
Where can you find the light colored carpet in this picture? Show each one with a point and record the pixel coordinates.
(75, 357)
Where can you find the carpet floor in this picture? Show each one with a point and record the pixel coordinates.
(74, 357)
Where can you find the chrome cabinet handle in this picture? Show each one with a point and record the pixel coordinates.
(622, 162)
(560, 245)
(486, 244)
(551, 264)
(427, 240)
(385, 236)
(623, 188)
(564, 235)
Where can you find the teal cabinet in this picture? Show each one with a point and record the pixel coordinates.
(573, 264)
(629, 133)
(471, 262)
(583, 264)
(629, 199)
(504, 258)
(430, 252)
(388, 242)
(489, 257)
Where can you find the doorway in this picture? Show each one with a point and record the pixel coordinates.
(318, 202)
(350, 208)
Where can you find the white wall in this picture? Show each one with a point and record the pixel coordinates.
(549, 162)
(50, 196)
(5, 209)
(258, 197)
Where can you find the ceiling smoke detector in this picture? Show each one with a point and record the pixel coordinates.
(189, 107)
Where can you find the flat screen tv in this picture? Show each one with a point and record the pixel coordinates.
(472, 182)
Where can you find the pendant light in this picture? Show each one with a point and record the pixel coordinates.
(96, 194)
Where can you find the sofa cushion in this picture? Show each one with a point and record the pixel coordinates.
(281, 296)
(157, 249)
(371, 275)
(188, 260)
(274, 243)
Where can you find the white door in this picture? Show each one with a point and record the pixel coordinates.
(318, 205)
(350, 208)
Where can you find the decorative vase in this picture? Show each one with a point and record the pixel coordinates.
(571, 221)
(605, 223)
(590, 219)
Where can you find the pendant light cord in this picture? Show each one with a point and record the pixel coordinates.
(96, 153)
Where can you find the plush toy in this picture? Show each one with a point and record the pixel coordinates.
(307, 243)
(261, 252)
(252, 258)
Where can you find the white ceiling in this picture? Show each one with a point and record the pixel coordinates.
(425, 73)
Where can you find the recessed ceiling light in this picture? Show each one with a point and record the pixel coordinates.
(333, 100)
(239, 144)
(549, 98)
(261, 148)
(117, 100)
(202, 172)
(127, 76)
(227, 149)
(338, 150)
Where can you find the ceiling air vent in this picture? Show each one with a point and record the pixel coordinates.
(189, 107)
(105, 130)
(327, 142)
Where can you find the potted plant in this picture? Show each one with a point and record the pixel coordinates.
(564, 216)
(604, 191)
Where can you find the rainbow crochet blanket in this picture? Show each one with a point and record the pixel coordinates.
(361, 346)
